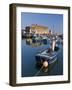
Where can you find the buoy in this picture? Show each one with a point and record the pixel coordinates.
(45, 64)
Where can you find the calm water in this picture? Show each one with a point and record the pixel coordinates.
(29, 66)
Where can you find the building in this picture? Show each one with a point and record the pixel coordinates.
(36, 29)
(39, 29)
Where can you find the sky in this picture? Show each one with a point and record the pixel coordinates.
(53, 21)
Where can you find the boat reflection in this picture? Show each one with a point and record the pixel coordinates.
(36, 43)
(41, 68)
(45, 70)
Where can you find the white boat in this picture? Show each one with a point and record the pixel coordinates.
(36, 38)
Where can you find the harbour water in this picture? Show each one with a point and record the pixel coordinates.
(29, 67)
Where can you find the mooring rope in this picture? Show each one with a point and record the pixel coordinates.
(38, 71)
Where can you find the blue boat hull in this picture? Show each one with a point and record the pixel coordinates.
(42, 59)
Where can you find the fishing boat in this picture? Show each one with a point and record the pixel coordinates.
(36, 38)
(44, 40)
(48, 55)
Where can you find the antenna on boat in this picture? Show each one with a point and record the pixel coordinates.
(53, 29)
